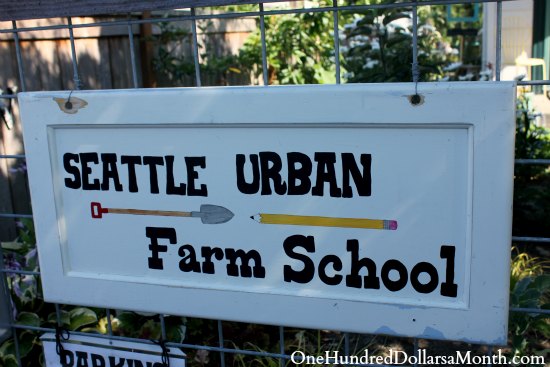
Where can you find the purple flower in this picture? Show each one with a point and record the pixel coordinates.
(10, 262)
(31, 255)
(17, 288)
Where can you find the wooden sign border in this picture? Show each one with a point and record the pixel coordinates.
(488, 107)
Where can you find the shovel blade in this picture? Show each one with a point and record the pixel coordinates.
(214, 214)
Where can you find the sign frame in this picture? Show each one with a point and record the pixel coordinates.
(79, 349)
(485, 109)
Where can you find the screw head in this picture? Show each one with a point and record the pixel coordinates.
(416, 99)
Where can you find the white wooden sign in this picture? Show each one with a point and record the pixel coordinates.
(93, 351)
(341, 207)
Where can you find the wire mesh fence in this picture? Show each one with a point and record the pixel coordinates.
(218, 345)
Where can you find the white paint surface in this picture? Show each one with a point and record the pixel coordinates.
(92, 351)
(443, 170)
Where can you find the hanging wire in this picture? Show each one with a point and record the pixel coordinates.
(109, 322)
(346, 344)
(195, 48)
(281, 345)
(415, 71)
(221, 343)
(499, 41)
(336, 38)
(165, 356)
(264, 45)
(76, 78)
(162, 327)
(19, 56)
(415, 351)
(132, 52)
(61, 334)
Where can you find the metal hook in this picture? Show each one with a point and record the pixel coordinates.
(61, 334)
(165, 357)
(415, 99)
(68, 104)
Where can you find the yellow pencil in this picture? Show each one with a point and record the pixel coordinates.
(306, 220)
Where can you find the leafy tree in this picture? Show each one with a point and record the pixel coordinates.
(299, 49)
(175, 64)
(531, 183)
(168, 61)
(378, 45)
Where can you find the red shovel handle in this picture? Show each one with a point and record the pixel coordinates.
(98, 211)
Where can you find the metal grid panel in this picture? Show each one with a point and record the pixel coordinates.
(261, 13)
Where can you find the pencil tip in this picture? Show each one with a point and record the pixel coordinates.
(252, 217)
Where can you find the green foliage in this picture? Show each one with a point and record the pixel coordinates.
(378, 46)
(529, 280)
(80, 317)
(31, 310)
(299, 49)
(470, 45)
(175, 62)
(26, 296)
(532, 182)
(532, 141)
(147, 326)
(236, 8)
(167, 61)
(311, 342)
(529, 288)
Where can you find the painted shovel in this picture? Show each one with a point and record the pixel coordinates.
(209, 214)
